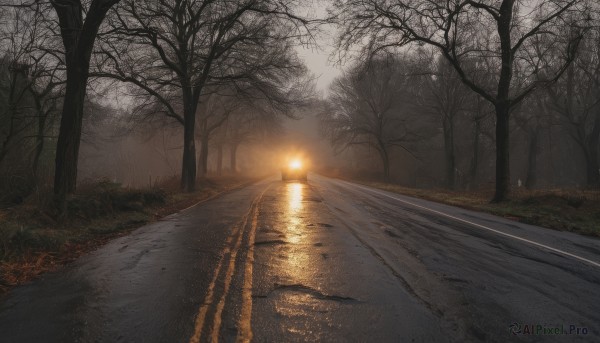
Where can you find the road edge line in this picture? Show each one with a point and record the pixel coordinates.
(525, 240)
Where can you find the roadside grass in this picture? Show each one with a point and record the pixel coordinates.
(572, 210)
(32, 241)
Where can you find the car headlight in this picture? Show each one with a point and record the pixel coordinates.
(295, 164)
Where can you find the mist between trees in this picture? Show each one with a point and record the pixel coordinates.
(144, 81)
(461, 94)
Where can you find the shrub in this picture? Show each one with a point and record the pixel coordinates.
(106, 197)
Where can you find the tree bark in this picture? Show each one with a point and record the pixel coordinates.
(502, 153)
(188, 168)
(502, 103)
(78, 39)
(69, 137)
(13, 100)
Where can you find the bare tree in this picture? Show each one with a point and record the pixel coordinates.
(460, 30)
(79, 23)
(575, 98)
(368, 107)
(173, 49)
(445, 96)
(215, 109)
(34, 80)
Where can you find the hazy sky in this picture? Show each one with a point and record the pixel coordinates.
(317, 58)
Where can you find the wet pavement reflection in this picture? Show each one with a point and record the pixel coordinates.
(293, 216)
(314, 281)
(323, 260)
(296, 262)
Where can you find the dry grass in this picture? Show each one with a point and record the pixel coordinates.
(572, 210)
(33, 242)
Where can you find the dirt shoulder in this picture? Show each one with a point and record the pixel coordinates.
(560, 209)
(32, 242)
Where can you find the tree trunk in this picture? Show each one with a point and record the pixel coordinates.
(188, 168)
(233, 158)
(502, 102)
(4, 149)
(12, 112)
(219, 159)
(78, 38)
(204, 154)
(531, 180)
(69, 137)
(502, 153)
(448, 127)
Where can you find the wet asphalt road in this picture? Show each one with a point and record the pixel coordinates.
(327, 261)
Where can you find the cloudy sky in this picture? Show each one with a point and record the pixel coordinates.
(317, 59)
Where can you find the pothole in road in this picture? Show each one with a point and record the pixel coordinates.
(315, 293)
(270, 242)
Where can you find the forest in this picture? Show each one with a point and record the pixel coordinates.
(129, 95)
(106, 89)
(471, 94)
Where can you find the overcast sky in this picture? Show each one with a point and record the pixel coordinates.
(317, 58)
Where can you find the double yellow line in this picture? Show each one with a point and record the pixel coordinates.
(244, 323)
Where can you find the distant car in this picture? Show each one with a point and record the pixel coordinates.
(294, 170)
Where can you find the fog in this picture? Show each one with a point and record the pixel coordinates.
(353, 103)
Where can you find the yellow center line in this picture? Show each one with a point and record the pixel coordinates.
(245, 327)
(214, 334)
(201, 317)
